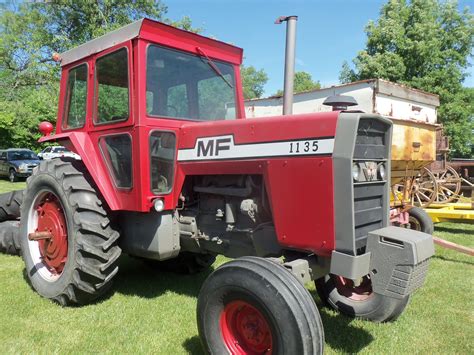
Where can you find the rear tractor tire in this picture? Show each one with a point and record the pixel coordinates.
(10, 205)
(68, 244)
(254, 306)
(359, 300)
(186, 263)
(10, 237)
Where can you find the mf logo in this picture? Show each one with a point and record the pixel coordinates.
(211, 147)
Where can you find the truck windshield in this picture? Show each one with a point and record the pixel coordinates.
(186, 86)
(22, 155)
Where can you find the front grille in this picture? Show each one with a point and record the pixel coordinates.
(369, 196)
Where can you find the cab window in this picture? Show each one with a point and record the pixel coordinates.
(112, 87)
(117, 152)
(76, 98)
(162, 152)
(186, 86)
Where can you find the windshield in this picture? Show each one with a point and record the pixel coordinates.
(181, 85)
(22, 155)
(60, 150)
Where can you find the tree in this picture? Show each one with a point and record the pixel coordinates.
(253, 81)
(303, 82)
(30, 33)
(425, 44)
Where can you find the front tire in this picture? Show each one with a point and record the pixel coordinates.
(12, 175)
(358, 301)
(254, 306)
(77, 261)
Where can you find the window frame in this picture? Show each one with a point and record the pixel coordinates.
(174, 160)
(193, 54)
(64, 121)
(107, 162)
(95, 103)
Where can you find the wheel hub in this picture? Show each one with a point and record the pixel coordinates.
(347, 288)
(51, 220)
(245, 330)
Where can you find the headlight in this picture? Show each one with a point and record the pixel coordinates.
(382, 172)
(355, 171)
(23, 167)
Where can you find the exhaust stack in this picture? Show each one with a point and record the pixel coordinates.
(289, 62)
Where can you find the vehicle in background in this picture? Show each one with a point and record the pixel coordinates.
(17, 163)
(57, 152)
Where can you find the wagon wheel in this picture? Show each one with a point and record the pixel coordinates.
(449, 185)
(424, 189)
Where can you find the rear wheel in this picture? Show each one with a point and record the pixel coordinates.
(68, 245)
(9, 237)
(358, 300)
(186, 263)
(10, 205)
(254, 306)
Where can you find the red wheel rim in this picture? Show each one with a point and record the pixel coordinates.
(51, 219)
(347, 288)
(245, 330)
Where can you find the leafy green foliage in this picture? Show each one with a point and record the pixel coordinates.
(253, 81)
(30, 32)
(425, 44)
(303, 82)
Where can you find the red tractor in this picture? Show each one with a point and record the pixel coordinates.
(172, 172)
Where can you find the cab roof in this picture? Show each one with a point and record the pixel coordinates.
(157, 32)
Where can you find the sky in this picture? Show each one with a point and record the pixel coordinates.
(329, 32)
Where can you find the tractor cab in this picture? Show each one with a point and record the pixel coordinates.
(124, 96)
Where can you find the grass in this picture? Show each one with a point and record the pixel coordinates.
(149, 312)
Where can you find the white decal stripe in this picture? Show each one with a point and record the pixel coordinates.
(206, 149)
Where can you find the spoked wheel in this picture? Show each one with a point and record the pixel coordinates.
(69, 248)
(254, 306)
(424, 189)
(357, 299)
(449, 185)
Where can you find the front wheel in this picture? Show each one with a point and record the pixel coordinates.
(254, 306)
(12, 176)
(67, 242)
(358, 300)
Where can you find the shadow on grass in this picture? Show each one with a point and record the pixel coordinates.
(440, 257)
(137, 279)
(193, 346)
(453, 230)
(339, 332)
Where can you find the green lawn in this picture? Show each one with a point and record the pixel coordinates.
(148, 312)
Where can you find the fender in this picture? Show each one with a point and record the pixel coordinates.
(81, 143)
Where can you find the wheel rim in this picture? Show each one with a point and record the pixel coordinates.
(245, 330)
(424, 188)
(414, 223)
(12, 175)
(449, 185)
(49, 255)
(348, 289)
